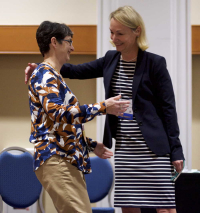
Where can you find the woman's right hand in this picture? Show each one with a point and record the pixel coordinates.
(29, 70)
(102, 152)
(116, 107)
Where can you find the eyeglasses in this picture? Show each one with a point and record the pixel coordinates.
(70, 41)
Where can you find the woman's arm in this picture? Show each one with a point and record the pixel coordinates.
(98, 148)
(93, 69)
(165, 96)
(45, 86)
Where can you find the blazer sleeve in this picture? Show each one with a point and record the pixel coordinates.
(93, 69)
(165, 95)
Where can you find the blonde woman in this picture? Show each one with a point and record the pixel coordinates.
(147, 135)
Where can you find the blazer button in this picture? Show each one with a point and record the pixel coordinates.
(135, 110)
(140, 123)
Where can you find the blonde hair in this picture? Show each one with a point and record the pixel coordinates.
(129, 17)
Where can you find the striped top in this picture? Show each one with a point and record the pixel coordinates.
(122, 79)
(122, 82)
(142, 179)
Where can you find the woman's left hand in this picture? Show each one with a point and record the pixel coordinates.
(178, 165)
(102, 152)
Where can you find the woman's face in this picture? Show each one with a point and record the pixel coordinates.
(123, 37)
(65, 48)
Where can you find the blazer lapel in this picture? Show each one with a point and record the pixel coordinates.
(138, 72)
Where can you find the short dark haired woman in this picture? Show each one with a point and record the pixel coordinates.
(61, 148)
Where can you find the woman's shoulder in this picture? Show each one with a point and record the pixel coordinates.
(112, 53)
(42, 71)
(156, 62)
(153, 56)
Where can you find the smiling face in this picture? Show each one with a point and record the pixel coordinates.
(65, 49)
(123, 37)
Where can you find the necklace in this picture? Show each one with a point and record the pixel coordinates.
(120, 72)
(51, 65)
(129, 60)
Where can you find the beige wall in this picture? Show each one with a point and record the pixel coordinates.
(195, 111)
(33, 12)
(195, 14)
(195, 20)
(14, 109)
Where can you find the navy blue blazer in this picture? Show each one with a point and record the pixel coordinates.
(152, 96)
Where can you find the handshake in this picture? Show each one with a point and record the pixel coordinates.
(115, 106)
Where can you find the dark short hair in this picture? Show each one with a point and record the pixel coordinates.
(47, 30)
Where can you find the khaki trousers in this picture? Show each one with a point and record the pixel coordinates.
(65, 184)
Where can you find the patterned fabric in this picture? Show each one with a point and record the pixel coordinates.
(56, 120)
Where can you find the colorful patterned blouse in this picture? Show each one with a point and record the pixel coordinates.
(57, 118)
